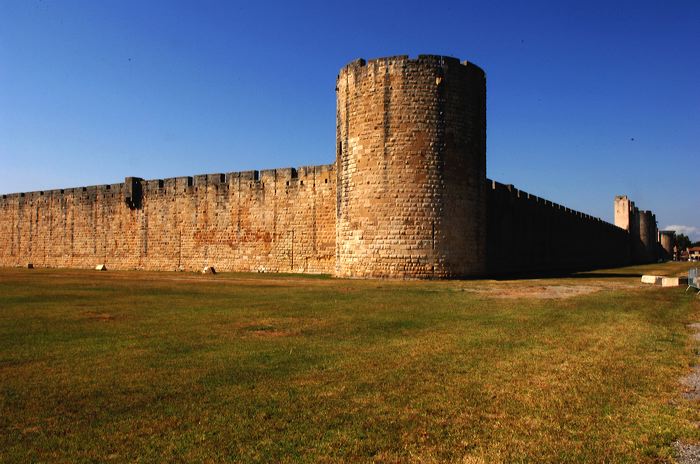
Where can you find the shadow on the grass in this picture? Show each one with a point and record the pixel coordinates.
(565, 275)
(582, 273)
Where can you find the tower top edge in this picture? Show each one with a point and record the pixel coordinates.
(436, 60)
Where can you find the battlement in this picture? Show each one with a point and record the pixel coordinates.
(303, 175)
(440, 63)
(442, 60)
(86, 191)
(509, 190)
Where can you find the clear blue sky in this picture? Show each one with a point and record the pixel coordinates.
(586, 100)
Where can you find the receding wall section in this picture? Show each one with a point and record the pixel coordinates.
(527, 233)
(278, 220)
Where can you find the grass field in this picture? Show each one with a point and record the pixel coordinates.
(168, 367)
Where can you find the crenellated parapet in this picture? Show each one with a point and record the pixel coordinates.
(133, 188)
(513, 194)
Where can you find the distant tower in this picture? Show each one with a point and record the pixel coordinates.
(644, 236)
(668, 240)
(411, 167)
(624, 210)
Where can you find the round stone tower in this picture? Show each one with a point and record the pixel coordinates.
(667, 241)
(411, 167)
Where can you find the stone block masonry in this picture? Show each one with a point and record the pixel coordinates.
(411, 161)
(406, 198)
(279, 220)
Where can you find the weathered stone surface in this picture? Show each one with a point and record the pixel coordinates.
(411, 160)
(651, 279)
(673, 281)
(282, 220)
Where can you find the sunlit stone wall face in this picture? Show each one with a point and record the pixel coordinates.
(276, 220)
(411, 166)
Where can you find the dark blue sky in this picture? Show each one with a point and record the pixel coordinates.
(586, 100)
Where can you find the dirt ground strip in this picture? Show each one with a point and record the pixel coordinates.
(535, 289)
(689, 453)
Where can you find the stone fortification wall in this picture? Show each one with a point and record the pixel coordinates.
(407, 198)
(527, 233)
(279, 220)
(411, 161)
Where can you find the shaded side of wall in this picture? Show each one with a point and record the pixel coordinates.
(649, 236)
(526, 233)
(278, 220)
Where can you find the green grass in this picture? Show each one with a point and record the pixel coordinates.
(168, 367)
